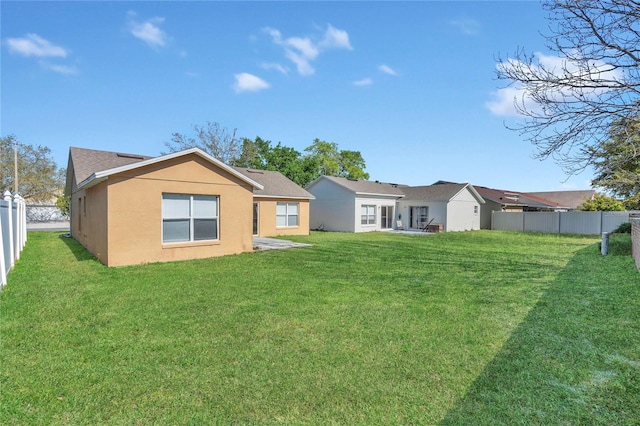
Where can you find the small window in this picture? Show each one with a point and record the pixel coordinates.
(286, 214)
(189, 218)
(368, 215)
(475, 209)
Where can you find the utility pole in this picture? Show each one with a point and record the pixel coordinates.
(15, 166)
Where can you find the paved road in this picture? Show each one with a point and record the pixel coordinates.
(48, 226)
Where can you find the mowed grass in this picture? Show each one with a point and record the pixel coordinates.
(457, 328)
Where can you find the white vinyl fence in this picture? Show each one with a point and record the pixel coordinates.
(13, 229)
(559, 222)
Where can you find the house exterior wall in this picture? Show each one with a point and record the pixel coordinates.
(463, 212)
(133, 204)
(437, 211)
(89, 220)
(333, 208)
(371, 201)
(486, 211)
(267, 217)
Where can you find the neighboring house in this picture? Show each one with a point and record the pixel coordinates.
(453, 206)
(129, 209)
(499, 200)
(571, 199)
(281, 207)
(349, 205)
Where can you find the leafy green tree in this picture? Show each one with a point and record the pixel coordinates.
(617, 162)
(335, 162)
(219, 142)
(601, 202)
(260, 154)
(327, 155)
(352, 165)
(322, 158)
(39, 178)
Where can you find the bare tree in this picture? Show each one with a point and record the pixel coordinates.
(219, 142)
(570, 101)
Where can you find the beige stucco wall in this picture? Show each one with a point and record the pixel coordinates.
(134, 203)
(89, 220)
(267, 217)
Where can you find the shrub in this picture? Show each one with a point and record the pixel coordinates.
(624, 228)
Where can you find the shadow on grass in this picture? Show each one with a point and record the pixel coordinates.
(573, 360)
(76, 248)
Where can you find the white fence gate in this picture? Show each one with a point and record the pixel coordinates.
(13, 229)
(559, 222)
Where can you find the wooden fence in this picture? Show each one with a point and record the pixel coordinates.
(13, 229)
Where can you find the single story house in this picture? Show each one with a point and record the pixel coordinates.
(281, 207)
(512, 201)
(570, 199)
(350, 205)
(129, 209)
(443, 206)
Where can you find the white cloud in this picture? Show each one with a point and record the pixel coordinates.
(148, 31)
(246, 82)
(387, 69)
(364, 82)
(302, 51)
(466, 26)
(274, 66)
(503, 103)
(335, 39)
(60, 69)
(504, 100)
(34, 45)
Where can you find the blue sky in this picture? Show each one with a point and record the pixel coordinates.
(411, 85)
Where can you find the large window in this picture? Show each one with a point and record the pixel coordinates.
(368, 215)
(286, 214)
(189, 218)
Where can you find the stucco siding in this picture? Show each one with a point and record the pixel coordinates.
(377, 202)
(135, 211)
(89, 220)
(333, 208)
(463, 212)
(437, 211)
(267, 217)
(486, 211)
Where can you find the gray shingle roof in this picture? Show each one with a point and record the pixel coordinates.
(85, 162)
(368, 187)
(275, 184)
(437, 192)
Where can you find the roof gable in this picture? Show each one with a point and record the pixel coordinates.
(90, 167)
(363, 187)
(275, 184)
(84, 162)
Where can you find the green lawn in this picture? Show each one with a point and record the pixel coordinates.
(456, 328)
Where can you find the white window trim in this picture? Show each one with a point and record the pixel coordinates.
(287, 215)
(191, 219)
(370, 222)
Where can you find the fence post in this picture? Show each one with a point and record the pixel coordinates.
(21, 222)
(7, 198)
(604, 246)
(3, 269)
